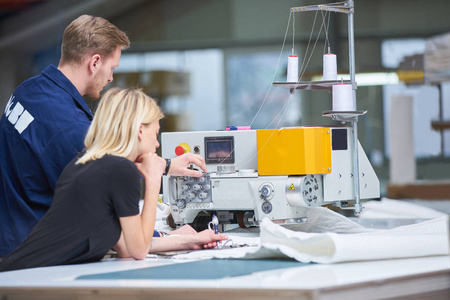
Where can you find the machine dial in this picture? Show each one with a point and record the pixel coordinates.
(181, 204)
(190, 195)
(225, 169)
(203, 195)
(266, 207)
(266, 191)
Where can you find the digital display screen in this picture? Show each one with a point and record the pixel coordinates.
(219, 149)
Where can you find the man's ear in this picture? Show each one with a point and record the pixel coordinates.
(94, 63)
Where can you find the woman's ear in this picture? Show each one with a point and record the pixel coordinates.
(140, 134)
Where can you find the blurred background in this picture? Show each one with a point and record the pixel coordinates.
(211, 63)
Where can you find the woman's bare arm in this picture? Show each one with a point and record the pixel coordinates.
(202, 240)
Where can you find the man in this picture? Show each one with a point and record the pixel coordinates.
(45, 121)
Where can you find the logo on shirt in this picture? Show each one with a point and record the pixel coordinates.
(18, 116)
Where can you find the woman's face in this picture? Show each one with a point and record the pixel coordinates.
(148, 137)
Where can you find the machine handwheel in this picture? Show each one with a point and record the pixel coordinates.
(246, 219)
(240, 219)
(171, 222)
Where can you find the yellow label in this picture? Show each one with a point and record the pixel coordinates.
(291, 187)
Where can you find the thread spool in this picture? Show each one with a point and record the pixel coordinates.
(329, 67)
(343, 97)
(292, 70)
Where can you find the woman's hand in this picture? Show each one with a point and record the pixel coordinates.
(151, 167)
(179, 165)
(206, 239)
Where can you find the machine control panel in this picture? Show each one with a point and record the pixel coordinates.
(235, 148)
(192, 191)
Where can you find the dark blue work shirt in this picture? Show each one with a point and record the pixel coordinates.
(41, 130)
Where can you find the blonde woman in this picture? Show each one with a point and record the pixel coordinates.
(96, 202)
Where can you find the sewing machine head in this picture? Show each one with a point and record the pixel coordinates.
(264, 173)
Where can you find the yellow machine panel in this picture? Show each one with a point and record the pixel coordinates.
(294, 151)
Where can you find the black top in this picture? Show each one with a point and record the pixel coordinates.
(82, 223)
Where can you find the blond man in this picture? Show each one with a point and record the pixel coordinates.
(45, 121)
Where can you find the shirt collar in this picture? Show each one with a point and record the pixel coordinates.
(55, 75)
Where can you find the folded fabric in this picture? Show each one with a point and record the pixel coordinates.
(428, 238)
(397, 209)
(321, 219)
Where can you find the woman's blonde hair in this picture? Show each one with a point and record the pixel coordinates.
(115, 127)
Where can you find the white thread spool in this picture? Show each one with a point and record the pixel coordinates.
(292, 70)
(343, 97)
(329, 67)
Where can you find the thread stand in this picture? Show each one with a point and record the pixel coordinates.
(346, 7)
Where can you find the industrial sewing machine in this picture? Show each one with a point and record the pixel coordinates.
(253, 174)
(265, 173)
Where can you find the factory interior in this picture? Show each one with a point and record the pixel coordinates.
(219, 65)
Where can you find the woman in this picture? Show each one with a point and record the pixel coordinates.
(96, 202)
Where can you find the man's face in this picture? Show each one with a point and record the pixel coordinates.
(104, 75)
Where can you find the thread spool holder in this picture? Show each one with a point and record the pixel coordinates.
(312, 85)
(344, 116)
(346, 7)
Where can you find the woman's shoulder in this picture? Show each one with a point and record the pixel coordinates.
(108, 164)
(120, 169)
(118, 163)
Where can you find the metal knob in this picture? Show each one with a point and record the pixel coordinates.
(265, 191)
(225, 169)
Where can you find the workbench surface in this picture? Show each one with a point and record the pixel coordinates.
(416, 278)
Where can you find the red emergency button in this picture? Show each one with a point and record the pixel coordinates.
(179, 150)
(182, 149)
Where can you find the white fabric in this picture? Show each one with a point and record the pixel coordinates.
(397, 209)
(329, 237)
(424, 239)
(322, 219)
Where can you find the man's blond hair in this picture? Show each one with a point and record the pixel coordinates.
(89, 35)
(115, 127)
